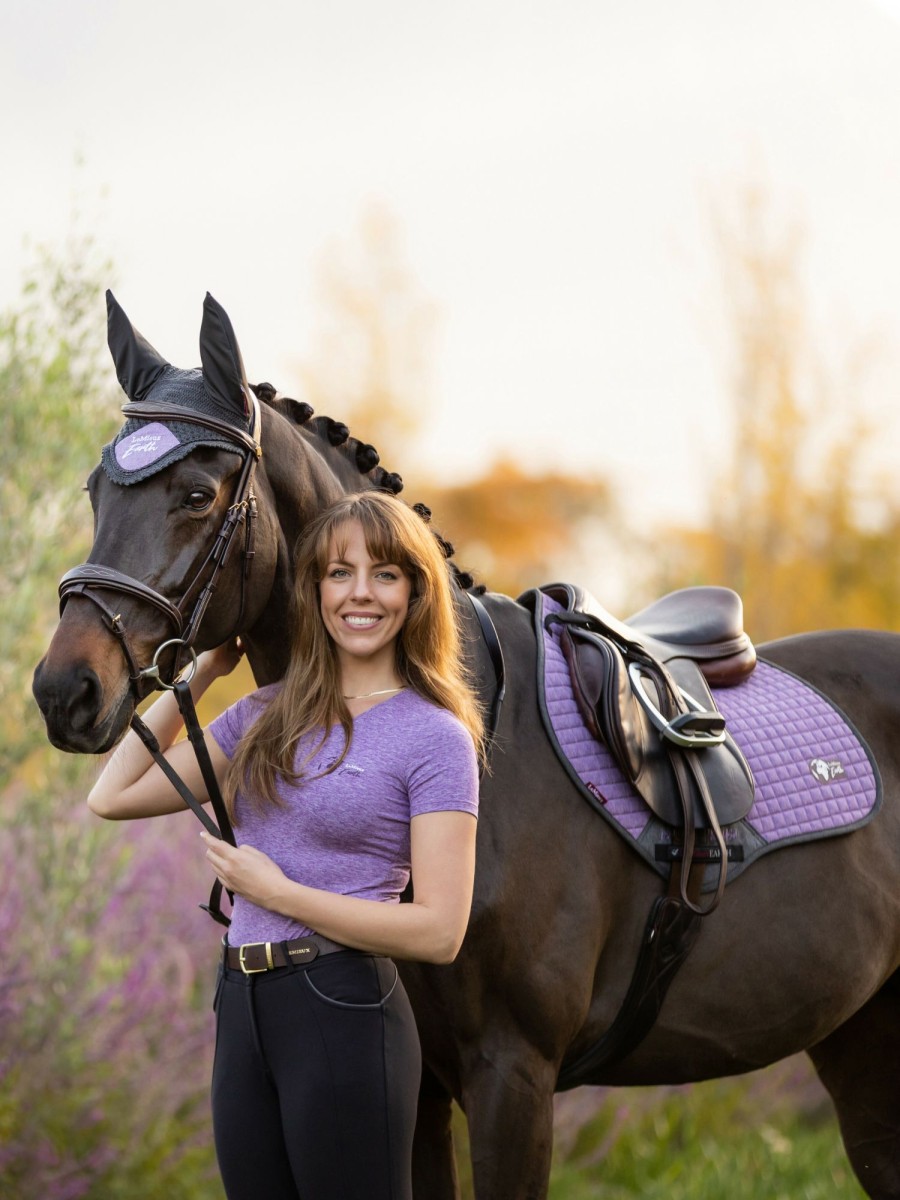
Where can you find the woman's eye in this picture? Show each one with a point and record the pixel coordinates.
(198, 500)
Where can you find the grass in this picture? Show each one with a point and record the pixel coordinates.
(697, 1145)
(768, 1136)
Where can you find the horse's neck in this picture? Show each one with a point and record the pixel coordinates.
(299, 476)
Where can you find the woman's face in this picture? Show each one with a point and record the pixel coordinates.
(363, 602)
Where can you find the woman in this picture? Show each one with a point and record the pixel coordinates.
(359, 768)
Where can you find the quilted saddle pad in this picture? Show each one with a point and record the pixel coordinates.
(814, 775)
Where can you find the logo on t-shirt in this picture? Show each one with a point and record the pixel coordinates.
(346, 768)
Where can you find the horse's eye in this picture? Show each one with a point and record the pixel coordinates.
(198, 500)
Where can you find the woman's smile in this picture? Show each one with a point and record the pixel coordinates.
(364, 604)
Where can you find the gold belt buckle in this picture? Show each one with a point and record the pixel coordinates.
(252, 946)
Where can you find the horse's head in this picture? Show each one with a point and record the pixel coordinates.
(179, 536)
(194, 532)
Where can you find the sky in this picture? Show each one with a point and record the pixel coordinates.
(552, 167)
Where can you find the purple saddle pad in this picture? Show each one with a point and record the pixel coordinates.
(814, 775)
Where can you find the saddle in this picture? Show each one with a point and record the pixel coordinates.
(703, 624)
(642, 688)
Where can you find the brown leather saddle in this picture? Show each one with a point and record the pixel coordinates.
(642, 688)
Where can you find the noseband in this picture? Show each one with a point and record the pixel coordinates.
(92, 580)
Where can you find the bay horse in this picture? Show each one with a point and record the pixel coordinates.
(803, 953)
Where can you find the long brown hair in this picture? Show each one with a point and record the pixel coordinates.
(310, 700)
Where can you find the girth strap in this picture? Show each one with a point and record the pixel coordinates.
(669, 935)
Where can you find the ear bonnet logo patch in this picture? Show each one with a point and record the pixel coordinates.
(144, 446)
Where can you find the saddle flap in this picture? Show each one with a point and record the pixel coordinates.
(612, 712)
(605, 697)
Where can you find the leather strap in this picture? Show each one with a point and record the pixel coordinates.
(495, 650)
(256, 957)
(175, 412)
(223, 830)
(93, 575)
(672, 928)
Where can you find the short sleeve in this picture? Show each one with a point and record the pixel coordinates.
(230, 726)
(443, 774)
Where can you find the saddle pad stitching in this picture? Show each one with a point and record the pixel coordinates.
(791, 803)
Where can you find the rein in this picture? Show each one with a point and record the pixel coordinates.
(92, 580)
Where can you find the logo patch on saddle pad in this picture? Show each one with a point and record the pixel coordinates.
(826, 771)
(814, 775)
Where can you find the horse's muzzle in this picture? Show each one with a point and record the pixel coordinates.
(78, 716)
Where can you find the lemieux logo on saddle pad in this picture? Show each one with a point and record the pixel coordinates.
(826, 770)
(143, 447)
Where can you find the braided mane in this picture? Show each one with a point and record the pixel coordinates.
(362, 455)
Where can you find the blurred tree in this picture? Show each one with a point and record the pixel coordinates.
(372, 348)
(515, 530)
(371, 368)
(54, 408)
(787, 524)
(104, 1042)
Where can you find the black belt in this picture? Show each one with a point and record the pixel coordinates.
(254, 957)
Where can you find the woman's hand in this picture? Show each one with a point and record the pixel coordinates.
(221, 660)
(247, 871)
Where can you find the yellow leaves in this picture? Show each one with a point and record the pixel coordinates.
(515, 528)
(788, 529)
(371, 369)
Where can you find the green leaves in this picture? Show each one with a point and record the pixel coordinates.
(105, 1036)
(56, 408)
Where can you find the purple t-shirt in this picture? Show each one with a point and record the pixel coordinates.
(348, 832)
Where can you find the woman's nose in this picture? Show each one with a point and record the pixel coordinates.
(362, 585)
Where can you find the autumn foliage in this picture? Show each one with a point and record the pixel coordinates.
(105, 1031)
(797, 520)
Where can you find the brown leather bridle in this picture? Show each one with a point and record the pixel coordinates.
(94, 582)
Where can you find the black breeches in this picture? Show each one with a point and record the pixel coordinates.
(316, 1081)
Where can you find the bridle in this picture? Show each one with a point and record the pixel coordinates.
(94, 582)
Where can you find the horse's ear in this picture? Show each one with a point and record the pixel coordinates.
(138, 365)
(223, 368)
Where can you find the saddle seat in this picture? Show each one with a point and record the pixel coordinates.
(704, 624)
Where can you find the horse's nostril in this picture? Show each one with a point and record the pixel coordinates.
(85, 700)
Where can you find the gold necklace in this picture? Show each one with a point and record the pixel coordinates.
(383, 692)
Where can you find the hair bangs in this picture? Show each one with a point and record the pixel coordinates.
(386, 541)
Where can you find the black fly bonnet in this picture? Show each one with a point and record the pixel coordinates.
(170, 413)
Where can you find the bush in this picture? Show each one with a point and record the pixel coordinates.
(105, 1030)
